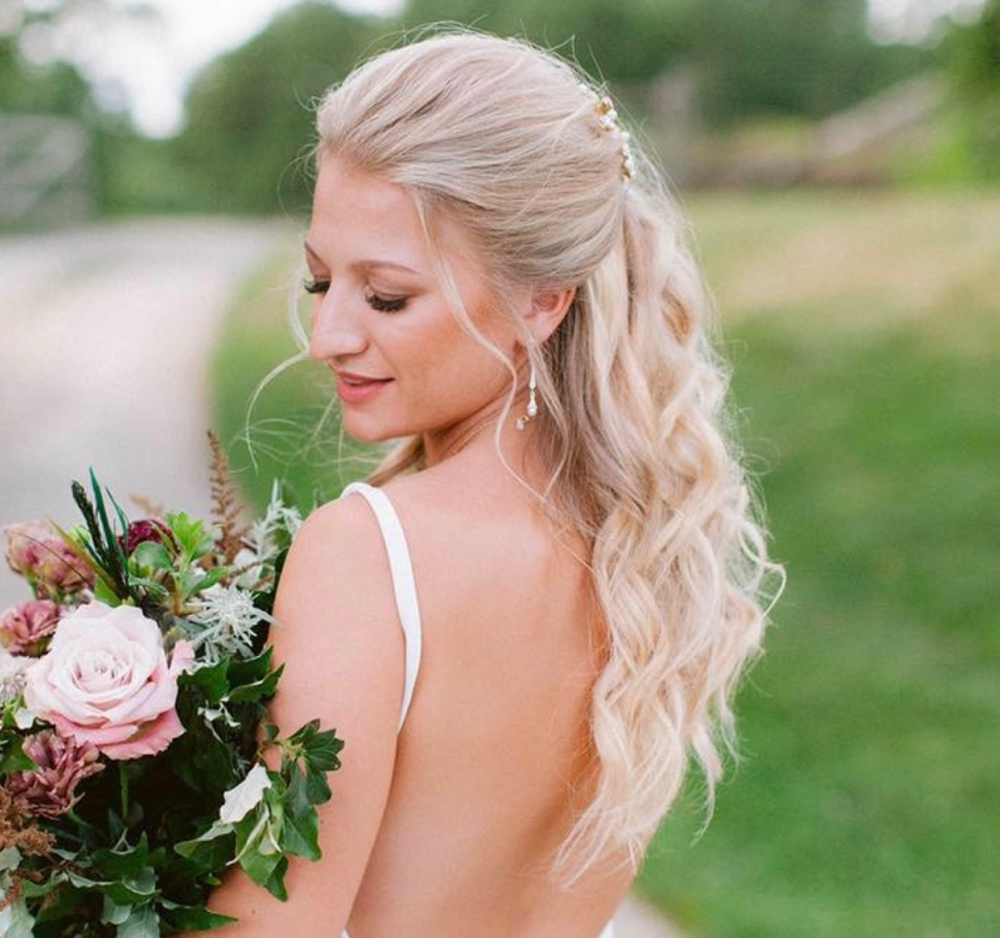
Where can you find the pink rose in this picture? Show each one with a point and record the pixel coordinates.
(45, 560)
(25, 628)
(105, 680)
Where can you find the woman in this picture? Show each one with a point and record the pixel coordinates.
(546, 603)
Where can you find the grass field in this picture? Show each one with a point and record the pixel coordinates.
(866, 334)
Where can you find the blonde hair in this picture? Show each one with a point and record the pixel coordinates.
(503, 138)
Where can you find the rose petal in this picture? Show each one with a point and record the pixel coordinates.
(153, 737)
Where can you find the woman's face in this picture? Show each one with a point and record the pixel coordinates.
(381, 318)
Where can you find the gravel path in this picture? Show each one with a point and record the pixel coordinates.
(105, 335)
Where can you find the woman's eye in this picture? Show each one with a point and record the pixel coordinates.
(316, 286)
(386, 304)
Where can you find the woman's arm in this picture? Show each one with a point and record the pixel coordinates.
(339, 638)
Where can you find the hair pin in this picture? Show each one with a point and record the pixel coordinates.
(610, 122)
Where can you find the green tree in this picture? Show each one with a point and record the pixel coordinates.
(250, 113)
(972, 57)
(623, 40)
(750, 57)
(790, 57)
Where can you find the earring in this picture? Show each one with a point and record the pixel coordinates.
(531, 411)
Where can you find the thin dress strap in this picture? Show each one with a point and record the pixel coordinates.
(403, 584)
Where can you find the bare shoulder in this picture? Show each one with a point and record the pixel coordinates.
(337, 630)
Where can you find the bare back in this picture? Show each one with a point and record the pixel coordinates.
(497, 737)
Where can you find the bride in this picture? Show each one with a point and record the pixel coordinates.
(540, 605)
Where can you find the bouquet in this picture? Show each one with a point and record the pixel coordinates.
(133, 720)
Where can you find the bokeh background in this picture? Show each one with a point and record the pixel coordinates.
(840, 162)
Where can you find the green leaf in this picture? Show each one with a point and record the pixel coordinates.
(250, 670)
(193, 918)
(113, 914)
(142, 923)
(210, 578)
(300, 834)
(256, 854)
(104, 592)
(190, 534)
(259, 689)
(213, 681)
(16, 921)
(275, 884)
(113, 554)
(322, 749)
(210, 853)
(10, 858)
(126, 891)
(152, 555)
(12, 756)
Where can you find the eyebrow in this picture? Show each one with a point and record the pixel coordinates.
(366, 264)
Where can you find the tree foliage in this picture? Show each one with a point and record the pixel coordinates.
(625, 40)
(250, 113)
(972, 56)
(749, 57)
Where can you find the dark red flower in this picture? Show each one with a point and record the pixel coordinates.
(149, 529)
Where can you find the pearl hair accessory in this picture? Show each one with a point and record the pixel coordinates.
(610, 122)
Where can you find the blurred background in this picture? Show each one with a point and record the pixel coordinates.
(840, 162)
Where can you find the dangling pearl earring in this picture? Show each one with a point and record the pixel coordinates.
(531, 411)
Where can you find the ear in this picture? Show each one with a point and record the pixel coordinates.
(548, 308)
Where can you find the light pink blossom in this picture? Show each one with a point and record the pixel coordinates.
(45, 560)
(26, 627)
(105, 680)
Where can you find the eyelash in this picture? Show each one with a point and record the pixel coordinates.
(382, 304)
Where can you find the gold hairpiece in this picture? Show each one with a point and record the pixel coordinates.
(610, 122)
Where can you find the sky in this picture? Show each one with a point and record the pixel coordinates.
(144, 64)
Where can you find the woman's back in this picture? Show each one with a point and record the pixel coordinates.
(497, 737)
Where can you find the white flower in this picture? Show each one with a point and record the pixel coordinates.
(224, 624)
(238, 802)
(12, 674)
(278, 518)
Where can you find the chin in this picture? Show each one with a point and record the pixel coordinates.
(368, 431)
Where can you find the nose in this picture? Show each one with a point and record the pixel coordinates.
(336, 329)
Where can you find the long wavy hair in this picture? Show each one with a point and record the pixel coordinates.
(514, 144)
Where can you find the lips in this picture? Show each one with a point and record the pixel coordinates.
(357, 389)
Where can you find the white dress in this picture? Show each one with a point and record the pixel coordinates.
(405, 590)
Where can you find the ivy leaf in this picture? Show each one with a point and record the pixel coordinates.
(212, 680)
(247, 693)
(300, 832)
(114, 914)
(275, 884)
(250, 670)
(212, 850)
(193, 918)
(142, 923)
(16, 921)
(256, 846)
